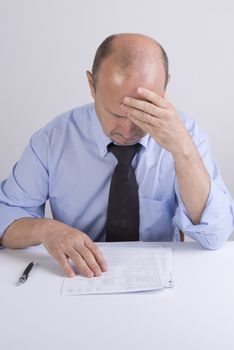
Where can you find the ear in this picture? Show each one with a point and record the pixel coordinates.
(91, 83)
(165, 90)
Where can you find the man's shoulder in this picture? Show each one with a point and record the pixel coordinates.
(75, 118)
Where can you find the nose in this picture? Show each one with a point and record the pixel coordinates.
(128, 128)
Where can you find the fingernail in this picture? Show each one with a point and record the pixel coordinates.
(126, 100)
(104, 268)
(72, 274)
(140, 90)
(123, 107)
(97, 273)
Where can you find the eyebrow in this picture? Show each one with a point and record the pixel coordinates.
(114, 114)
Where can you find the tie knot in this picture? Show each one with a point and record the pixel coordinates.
(124, 154)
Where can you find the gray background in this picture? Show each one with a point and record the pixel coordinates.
(47, 45)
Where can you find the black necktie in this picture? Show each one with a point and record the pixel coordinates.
(123, 206)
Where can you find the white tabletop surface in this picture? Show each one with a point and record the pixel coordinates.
(198, 313)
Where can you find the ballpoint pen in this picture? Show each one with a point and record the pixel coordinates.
(23, 278)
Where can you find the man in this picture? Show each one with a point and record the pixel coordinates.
(70, 162)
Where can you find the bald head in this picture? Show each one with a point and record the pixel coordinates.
(123, 63)
(131, 54)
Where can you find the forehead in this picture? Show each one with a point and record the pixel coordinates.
(114, 82)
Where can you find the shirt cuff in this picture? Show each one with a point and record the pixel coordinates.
(9, 214)
(216, 223)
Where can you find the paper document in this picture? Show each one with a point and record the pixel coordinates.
(131, 268)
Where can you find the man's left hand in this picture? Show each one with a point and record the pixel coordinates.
(158, 117)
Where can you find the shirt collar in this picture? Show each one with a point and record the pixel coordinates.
(103, 140)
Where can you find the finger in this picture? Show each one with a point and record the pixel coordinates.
(97, 254)
(152, 97)
(90, 260)
(142, 116)
(142, 125)
(61, 258)
(144, 106)
(80, 262)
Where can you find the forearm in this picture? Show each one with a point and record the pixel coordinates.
(193, 180)
(25, 232)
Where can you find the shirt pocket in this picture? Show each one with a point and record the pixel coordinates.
(156, 219)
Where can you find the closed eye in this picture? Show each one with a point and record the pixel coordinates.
(115, 115)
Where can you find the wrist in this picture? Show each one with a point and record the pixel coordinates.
(185, 150)
(42, 228)
(48, 226)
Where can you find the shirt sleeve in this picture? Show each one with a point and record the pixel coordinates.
(217, 221)
(25, 192)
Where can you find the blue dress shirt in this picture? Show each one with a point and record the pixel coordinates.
(67, 163)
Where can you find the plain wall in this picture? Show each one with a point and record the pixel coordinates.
(47, 45)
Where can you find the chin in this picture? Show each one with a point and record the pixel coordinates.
(123, 142)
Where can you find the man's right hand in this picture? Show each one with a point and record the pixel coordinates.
(64, 242)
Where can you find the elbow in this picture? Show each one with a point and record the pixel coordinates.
(217, 234)
(212, 241)
(211, 245)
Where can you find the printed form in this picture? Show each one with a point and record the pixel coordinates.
(132, 267)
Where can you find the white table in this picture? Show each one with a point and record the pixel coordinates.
(198, 313)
